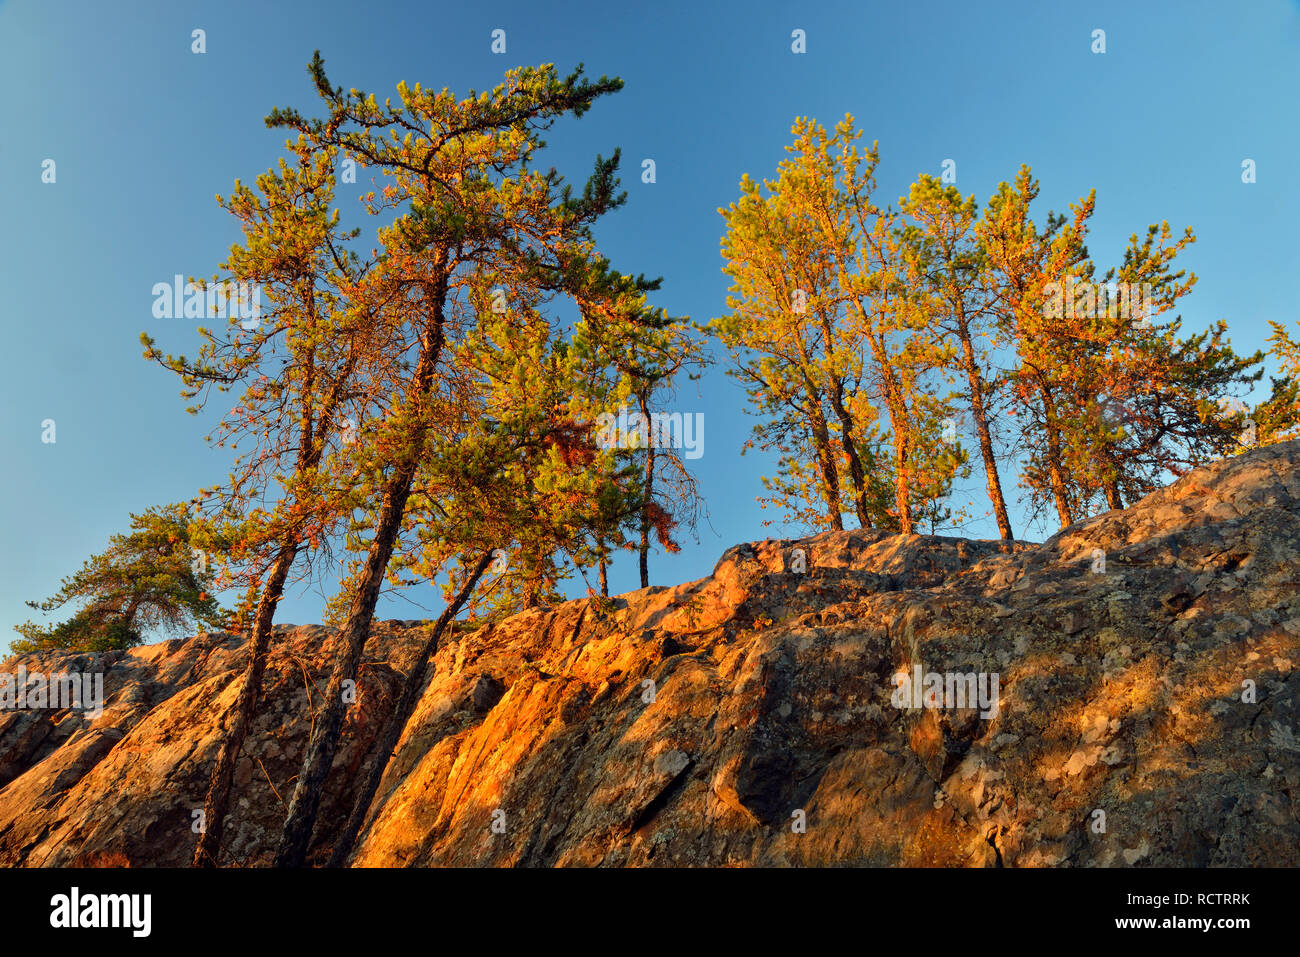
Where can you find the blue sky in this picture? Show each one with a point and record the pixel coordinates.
(145, 133)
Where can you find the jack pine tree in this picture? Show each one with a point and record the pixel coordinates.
(1149, 402)
(652, 350)
(518, 469)
(303, 371)
(1278, 417)
(150, 578)
(1024, 262)
(1111, 398)
(828, 336)
(939, 241)
(779, 356)
(468, 201)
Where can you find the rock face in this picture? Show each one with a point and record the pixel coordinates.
(1146, 712)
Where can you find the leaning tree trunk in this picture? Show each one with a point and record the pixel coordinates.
(902, 431)
(216, 803)
(323, 744)
(647, 499)
(392, 733)
(1055, 471)
(992, 478)
(207, 851)
(295, 837)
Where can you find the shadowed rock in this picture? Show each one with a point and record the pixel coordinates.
(690, 725)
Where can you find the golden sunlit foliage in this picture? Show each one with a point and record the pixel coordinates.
(863, 334)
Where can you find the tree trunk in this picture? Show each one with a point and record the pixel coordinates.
(902, 432)
(295, 837)
(1111, 484)
(991, 476)
(821, 437)
(851, 450)
(1113, 498)
(648, 493)
(1055, 472)
(856, 473)
(902, 494)
(314, 431)
(830, 474)
(208, 850)
(128, 616)
(534, 582)
(392, 733)
(298, 825)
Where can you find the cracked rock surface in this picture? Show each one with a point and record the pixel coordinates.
(1146, 715)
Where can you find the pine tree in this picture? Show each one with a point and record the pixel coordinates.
(460, 172)
(305, 379)
(939, 240)
(1278, 418)
(517, 467)
(148, 579)
(779, 355)
(1112, 398)
(651, 350)
(828, 335)
(1024, 264)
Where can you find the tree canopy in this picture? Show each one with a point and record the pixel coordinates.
(150, 579)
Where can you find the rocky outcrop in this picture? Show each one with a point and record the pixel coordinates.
(1146, 712)
(129, 782)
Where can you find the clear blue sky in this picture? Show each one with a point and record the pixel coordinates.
(145, 133)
